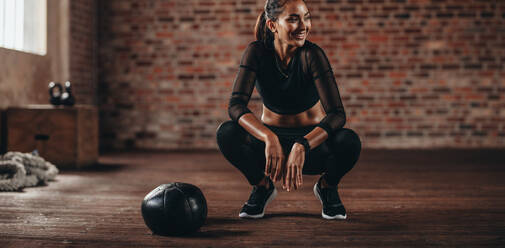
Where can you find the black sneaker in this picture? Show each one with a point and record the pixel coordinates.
(332, 205)
(258, 200)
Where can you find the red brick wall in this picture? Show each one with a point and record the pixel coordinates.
(82, 49)
(412, 74)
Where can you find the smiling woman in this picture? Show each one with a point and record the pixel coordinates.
(293, 27)
(301, 129)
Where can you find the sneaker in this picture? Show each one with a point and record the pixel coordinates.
(332, 205)
(258, 200)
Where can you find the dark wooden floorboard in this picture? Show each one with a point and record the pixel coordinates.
(393, 198)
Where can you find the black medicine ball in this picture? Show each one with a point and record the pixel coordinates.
(174, 209)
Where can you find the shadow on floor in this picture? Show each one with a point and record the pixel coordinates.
(216, 234)
(211, 221)
(292, 214)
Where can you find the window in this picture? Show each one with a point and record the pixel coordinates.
(23, 25)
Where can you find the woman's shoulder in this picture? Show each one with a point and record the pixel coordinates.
(314, 53)
(312, 47)
(256, 46)
(254, 52)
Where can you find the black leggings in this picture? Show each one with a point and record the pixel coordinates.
(336, 155)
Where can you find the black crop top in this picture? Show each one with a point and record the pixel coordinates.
(308, 78)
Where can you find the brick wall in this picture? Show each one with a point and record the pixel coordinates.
(412, 74)
(82, 49)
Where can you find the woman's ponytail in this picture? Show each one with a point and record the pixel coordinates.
(271, 11)
(261, 31)
(259, 28)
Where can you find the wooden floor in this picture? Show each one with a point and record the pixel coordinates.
(393, 198)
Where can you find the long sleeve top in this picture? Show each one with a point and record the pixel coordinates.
(308, 79)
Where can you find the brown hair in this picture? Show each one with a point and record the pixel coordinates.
(272, 10)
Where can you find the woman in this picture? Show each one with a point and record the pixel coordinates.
(301, 129)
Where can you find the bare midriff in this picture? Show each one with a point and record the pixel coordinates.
(308, 117)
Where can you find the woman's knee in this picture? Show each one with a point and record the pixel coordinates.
(347, 141)
(348, 138)
(227, 131)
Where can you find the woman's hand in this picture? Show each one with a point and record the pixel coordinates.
(275, 158)
(293, 174)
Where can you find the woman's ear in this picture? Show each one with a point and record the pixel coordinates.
(271, 25)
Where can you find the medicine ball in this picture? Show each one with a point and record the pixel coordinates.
(174, 209)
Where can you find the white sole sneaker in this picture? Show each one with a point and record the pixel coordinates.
(337, 217)
(257, 216)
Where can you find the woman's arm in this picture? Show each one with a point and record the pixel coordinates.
(242, 89)
(316, 137)
(256, 128)
(238, 111)
(322, 74)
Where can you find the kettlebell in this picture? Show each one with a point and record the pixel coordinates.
(55, 97)
(67, 98)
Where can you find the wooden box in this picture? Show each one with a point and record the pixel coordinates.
(65, 136)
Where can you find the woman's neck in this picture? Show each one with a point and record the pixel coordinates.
(284, 51)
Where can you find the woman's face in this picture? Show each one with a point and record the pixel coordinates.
(293, 24)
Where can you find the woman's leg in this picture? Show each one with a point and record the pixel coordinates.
(247, 154)
(242, 150)
(336, 156)
(345, 147)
